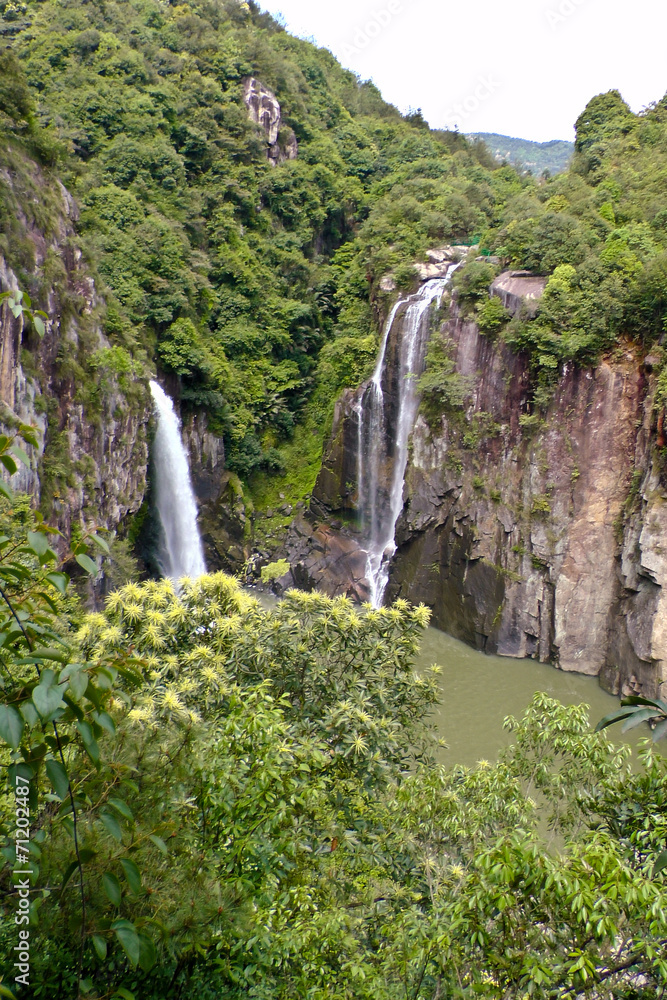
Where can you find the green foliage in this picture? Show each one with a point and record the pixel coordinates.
(258, 813)
(274, 570)
(636, 710)
(491, 315)
(472, 282)
(20, 305)
(15, 98)
(281, 727)
(229, 272)
(443, 388)
(180, 350)
(605, 117)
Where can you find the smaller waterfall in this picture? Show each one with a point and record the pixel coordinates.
(385, 422)
(180, 549)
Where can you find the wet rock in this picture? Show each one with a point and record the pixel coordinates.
(223, 517)
(325, 559)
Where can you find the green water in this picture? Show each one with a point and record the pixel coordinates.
(479, 691)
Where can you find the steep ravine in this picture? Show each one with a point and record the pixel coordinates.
(527, 537)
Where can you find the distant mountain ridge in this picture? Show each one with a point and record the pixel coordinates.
(553, 156)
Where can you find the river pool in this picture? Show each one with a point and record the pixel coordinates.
(479, 691)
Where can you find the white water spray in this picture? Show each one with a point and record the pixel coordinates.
(180, 549)
(384, 428)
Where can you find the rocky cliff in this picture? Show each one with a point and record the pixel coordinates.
(86, 398)
(527, 535)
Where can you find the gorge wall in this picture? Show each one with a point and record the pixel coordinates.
(92, 415)
(527, 536)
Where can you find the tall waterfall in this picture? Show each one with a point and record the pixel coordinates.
(180, 550)
(385, 420)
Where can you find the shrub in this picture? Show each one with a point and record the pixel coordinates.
(273, 571)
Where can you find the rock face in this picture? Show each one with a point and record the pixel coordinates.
(326, 557)
(90, 468)
(514, 531)
(264, 110)
(527, 536)
(222, 512)
(518, 289)
(438, 262)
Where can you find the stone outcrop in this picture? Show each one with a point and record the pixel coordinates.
(516, 529)
(519, 289)
(439, 260)
(326, 557)
(529, 536)
(264, 109)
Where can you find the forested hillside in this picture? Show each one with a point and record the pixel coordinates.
(598, 232)
(258, 286)
(223, 269)
(537, 157)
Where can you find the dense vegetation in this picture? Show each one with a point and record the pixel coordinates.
(537, 157)
(258, 287)
(248, 282)
(598, 233)
(227, 801)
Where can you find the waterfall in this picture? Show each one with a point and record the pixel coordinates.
(180, 550)
(385, 420)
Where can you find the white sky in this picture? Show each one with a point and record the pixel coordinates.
(525, 68)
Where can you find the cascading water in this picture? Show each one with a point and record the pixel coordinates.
(180, 550)
(384, 428)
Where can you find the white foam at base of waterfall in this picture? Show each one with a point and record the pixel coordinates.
(180, 551)
(375, 452)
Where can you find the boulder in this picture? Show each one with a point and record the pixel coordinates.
(325, 559)
(519, 289)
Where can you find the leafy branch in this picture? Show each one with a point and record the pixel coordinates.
(20, 305)
(47, 687)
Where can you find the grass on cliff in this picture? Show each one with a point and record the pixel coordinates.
(301, 459)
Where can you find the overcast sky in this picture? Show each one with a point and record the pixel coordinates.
(519, 67)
